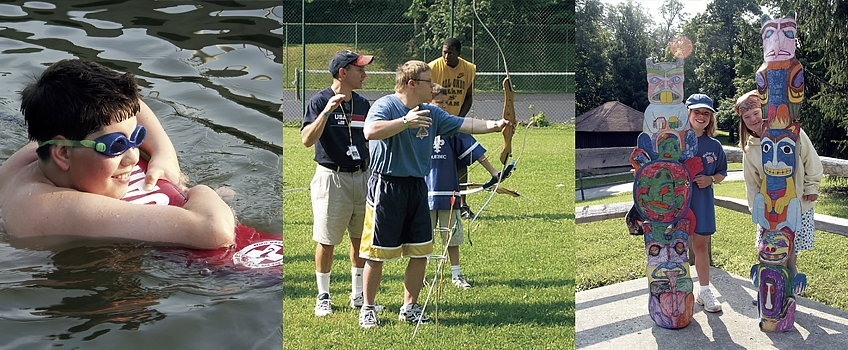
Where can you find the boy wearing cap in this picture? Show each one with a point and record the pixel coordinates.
(402, 129)
(70, 181)
(702, 120)
(333, 122)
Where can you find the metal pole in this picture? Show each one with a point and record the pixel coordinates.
(356, 37)
(286, 59)
(451, 19)
(303, 55)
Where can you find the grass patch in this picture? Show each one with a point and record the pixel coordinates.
(318, 57)
(521, 263)
(617, 179)
(607, 254)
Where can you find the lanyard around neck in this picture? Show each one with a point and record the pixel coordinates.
(348, 119)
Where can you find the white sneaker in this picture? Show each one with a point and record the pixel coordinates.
(368, 317)
(460, 282)
(708, 301)
(324, 305)
(412, 313)
(357, 301)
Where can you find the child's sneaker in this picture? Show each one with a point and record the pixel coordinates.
(357, 301)
(460, 282)
(324, 305)
(368, 317)
(709, 302)
(412, 313)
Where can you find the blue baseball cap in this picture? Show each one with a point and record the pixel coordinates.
(700, 101)
(346, 57)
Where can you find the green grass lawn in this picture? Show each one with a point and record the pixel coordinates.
(607, 254)
(521, 264)
(318, 57)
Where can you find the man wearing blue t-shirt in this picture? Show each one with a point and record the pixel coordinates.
(401, 129)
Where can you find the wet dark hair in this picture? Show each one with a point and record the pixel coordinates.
(75, 98)
(454, 43)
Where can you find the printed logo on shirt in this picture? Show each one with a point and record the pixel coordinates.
(438, 143)
(710, 157)
(356, 120)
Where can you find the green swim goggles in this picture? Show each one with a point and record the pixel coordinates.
(109, 145)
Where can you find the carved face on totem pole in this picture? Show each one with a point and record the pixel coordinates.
(665, 81)
(778, 150)
(774, 247)
(779, 38)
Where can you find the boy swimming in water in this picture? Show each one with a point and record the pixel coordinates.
(89, 124)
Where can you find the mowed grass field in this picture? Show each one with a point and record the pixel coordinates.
(521, 263)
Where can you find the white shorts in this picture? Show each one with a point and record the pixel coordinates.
(338, 203)
(439, 218)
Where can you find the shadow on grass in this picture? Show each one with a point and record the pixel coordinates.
(506, 217)
(542, 314)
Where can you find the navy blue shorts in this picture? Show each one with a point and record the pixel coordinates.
(397, 219)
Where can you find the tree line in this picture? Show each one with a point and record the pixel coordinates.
(613, 42)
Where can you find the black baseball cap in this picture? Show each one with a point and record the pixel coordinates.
(346, 57)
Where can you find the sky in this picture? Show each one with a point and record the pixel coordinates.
(692, 7)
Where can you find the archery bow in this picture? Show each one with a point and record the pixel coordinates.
(508, 114)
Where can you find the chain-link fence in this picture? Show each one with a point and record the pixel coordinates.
(537, 43)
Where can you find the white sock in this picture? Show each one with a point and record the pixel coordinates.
(455, 271)
(356, 280)
(323, 282)
(705, 288)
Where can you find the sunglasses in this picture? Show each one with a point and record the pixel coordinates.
(109, 145)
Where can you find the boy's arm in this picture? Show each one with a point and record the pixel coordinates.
(466, 104)
(479, 126)
(163, 157)
(204, 222)
(484, 161)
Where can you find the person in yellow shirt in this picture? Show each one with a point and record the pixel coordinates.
(456, 75)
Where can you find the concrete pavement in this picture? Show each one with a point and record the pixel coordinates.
(616, 317)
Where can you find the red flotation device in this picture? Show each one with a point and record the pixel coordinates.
(252, 249)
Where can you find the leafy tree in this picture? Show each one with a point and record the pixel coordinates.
(593, 39)
(671, 18)
(823, 34)
(719, 50)
(630, 46)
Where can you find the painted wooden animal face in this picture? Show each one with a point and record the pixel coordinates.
(668, 146)
(666, 252)
(662, 191)
(774, 247)
(665, 81)
(779, 37)
(778, 149)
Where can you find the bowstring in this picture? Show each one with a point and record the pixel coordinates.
(439, 268)
(503, 168)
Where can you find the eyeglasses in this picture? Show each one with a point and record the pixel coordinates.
(427, 81)
(109, 145)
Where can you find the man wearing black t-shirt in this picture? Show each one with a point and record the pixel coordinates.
(333, 122)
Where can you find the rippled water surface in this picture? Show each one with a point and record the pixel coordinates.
(211, 72)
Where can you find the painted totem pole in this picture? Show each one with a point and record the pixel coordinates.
(665, 164)
(780, 83)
